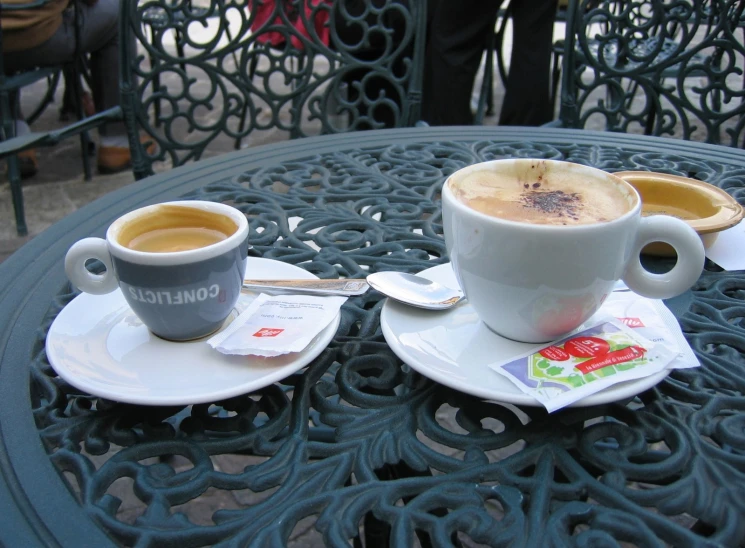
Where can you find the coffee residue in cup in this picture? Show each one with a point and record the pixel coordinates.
(553, 202)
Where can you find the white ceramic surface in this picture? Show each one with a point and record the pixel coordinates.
(98, 345)
(536, 283)
(455, 348)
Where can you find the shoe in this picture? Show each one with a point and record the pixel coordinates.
(115, 159)
(28, 165)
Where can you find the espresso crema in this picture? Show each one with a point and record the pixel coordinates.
(168, 229)
(533, 193)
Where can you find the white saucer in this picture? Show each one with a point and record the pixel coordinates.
(455, 348)
(98, 345)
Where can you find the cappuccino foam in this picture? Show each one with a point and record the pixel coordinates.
(535, 193)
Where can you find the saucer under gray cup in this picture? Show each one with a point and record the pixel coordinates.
(534, 282)
(178, 295)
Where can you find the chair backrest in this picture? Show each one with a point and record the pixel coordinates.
(240, 70)
(656, 67)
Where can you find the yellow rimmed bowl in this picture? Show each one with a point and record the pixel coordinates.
(706, 208)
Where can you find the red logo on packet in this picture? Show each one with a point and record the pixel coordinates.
(268, 332)
(586, 347)
(632, 322)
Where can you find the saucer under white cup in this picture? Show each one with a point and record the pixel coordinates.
(98, 345)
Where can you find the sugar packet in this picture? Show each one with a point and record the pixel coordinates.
(585, 362)
(654, 321)
(276, 325)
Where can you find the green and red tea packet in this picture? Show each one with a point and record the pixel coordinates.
(604, 352)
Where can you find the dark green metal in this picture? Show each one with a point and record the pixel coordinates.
(656, 67)
(665, 468)
(220, 82)
(50, 138)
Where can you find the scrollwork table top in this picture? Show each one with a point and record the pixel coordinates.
(357, 444)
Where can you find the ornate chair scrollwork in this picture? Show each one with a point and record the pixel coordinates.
(224, 79)
(655, 67)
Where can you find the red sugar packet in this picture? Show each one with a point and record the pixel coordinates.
(584, 363)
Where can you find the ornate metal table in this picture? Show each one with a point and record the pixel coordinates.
(357, 444)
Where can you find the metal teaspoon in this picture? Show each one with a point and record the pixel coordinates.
(415, 290)
(400, 286)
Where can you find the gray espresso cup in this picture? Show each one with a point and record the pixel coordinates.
(179, 265)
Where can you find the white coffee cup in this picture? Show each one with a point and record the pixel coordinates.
(537, 282)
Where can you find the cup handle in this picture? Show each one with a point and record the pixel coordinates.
(80, 276)
(688, 246)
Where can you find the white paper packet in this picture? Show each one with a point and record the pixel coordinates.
(276, 325)
(584, 363)
(654, 321)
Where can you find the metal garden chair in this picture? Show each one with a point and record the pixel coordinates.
(223, 83)
(226, 83)
(656, 67)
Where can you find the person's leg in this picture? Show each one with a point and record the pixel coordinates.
(99, 37)
(28, 163)
(527, 99)
(68, 109)
(49, 53)
(458, 33)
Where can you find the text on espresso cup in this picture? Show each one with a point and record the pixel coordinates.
(182, 296)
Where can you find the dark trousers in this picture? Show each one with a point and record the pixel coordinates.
(459, 32)
(99, 36)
